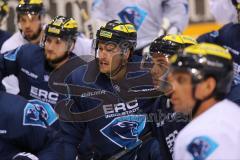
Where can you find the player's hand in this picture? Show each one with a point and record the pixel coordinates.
(167, 28)
(25, 156)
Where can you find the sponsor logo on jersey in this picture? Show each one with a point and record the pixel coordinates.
(89, 94)
(202, 147)
(38, 113)
(43, 95)
(134, 15)
(120, 109)
(124, 131)
(30, 74)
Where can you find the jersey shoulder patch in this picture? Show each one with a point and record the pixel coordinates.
(133, 14)
(202, 147)
(38, 113)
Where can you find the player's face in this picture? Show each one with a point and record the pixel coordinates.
(55, 48)
(182, 96)
(109, 57)
(159, 68)
(30, 26)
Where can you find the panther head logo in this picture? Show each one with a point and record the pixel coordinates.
(42, 112)
(37, 113)
(32, 114)
(126, 129)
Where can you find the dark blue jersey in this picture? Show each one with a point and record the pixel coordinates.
(229, 37)
(30, 67)
(120, 127)
(4, 35)
(167, 125)
(24, 128)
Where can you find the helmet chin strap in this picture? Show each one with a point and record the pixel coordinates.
(120, 67)
(198, 101)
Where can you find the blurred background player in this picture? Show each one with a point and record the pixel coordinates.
(4, 9)
(30, 19)
(151, 19)
(204, 74)
(228, 37)
(30, 16)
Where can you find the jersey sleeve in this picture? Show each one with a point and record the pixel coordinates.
(8, 151)
(24, 130)
(211, 37)
(72, 134)
(72, 131)
(50, 150)
(195, 146)
(215, 36)
(9, 62)
(207, 146)
(42, 140)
